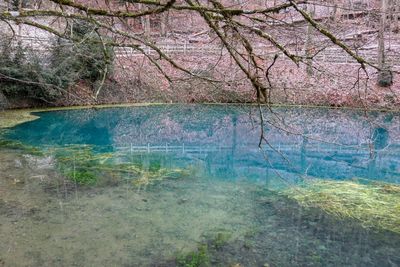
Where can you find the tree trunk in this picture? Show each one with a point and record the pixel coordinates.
(385, 76)
(308, 44)
(164, 23)
(145, 22)
(381, 36)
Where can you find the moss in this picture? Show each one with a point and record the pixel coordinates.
(373, 205)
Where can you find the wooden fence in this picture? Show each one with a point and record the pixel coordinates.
(329, 55)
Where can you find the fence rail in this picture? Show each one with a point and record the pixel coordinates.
(329, 55)
(278, 147)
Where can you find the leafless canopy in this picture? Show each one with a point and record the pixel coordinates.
(250, 34)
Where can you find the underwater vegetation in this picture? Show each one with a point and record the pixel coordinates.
(203, 256)
(198, 258)
(85, 166)
(372, 204)
(82, 177)
(77, 163)
(16, 145)
(146, 178)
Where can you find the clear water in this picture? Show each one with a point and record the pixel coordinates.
(194, 179)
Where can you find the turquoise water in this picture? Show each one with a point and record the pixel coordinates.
(301, 142)
(188, 185)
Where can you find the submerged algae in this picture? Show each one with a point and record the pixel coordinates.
(146, 178)
(373, 204)
(86, 166)
(16, 145)
(198, 258)
(82, 177)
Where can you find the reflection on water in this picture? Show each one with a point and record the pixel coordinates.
(188, 186)
(310, 142)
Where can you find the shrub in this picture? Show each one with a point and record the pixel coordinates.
(23, 76)
(86, 59)
(25, 73)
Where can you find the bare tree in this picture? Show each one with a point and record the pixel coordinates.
(256, 38)
(385, 75)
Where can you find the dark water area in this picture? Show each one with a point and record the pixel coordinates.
(188, 185)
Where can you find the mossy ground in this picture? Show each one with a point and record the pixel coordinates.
(11, 118)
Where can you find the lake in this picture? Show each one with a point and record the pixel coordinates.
(190, 185)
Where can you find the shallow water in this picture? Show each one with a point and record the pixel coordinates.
(171, 180)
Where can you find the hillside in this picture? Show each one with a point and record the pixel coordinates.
(169, 52)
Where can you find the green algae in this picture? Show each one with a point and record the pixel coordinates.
(197, 258)
(82, 177)
(146, 178)
(373, 205)
(16, 145)
(82, 164)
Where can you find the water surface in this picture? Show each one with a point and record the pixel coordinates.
(175, 179)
